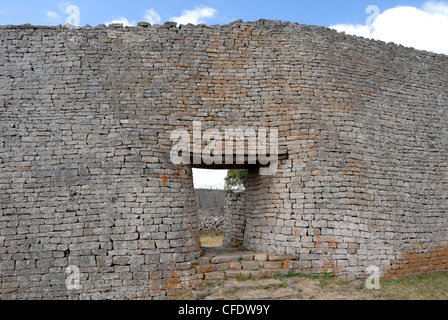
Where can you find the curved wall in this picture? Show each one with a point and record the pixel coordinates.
(86, 178)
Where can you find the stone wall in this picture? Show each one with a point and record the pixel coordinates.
(86, 178)
(210, 207)
(234, 219)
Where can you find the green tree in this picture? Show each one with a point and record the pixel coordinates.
(235, 179)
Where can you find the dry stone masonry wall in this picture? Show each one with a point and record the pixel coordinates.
(234, 219)
(210, 208)
(88, 191)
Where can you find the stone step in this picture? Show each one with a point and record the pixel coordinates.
(278, 294)
(215, 298)
(243, 262)
(218, 264)
(236, 269)
(239, 257)
(261, 289)
(259, 294)
(250, 284)
(255, 273)
(263, 295)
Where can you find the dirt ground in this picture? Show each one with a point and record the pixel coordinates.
(302, 287)
(299, 287)
(209, 241)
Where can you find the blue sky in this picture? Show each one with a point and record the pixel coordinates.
(421, 24)
(317, 12)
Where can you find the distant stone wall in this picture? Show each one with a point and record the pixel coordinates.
(210, 207)
(234, 219)
(210, 199)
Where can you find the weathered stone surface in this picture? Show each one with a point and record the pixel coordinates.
(276, 295)
(210, 209)
(250, 265)
(235, 284)
(235, 266)
(205, 268)
(232, 258)
(260, 257)
(215, 298)
(88, 189)
(218, 275)
(198, 294)
(233, 273)
(234, 219)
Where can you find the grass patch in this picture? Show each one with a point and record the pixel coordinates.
(266, 287)
(210, 285)
(324, 283)
(231, 292)
(422, 287)
(299, 275)
(291, 275)
(324, 280)
(246, 278)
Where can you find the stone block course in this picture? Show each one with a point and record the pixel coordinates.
(210, 210)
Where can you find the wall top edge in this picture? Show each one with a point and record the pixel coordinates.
(172, 26)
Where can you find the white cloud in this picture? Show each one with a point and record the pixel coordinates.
(152, 17)
(356, 30)
(436, 7)
(424, 29)
(53, 15)
(207, 179)
(63, 4)
(123, 20)
(195, 16)
(57, 17)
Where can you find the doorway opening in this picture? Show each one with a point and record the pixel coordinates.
(210, 199)
(220, 212)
